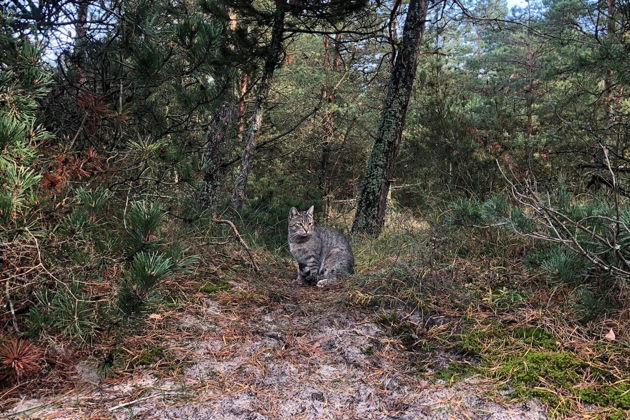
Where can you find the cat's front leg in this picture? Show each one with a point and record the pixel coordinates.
(300, 277)
(301, 274)
(310, 270)
(326, 278)
(305, 275)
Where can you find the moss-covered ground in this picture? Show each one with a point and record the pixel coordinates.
(501, 321)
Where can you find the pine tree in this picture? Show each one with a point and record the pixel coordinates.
(310, 15)
(24, 80)
(372, 202)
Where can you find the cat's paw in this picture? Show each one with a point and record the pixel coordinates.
(326, 282)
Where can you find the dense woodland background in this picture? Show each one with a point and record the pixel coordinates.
(478, 154)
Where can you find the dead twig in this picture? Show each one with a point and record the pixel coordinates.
(11, 308)
(240, 239)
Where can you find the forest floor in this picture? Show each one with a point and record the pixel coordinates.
(245, 346)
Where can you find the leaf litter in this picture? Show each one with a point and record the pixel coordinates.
(268, 349)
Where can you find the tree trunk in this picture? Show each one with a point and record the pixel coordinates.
(215, 151)
(242, 89)
(608, 83)
(219, 132)
(372, 202)
(242, 92)
(328, 120)
(80, 40)
(271, 63)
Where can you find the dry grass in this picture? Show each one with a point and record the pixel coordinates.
(450, 317)
(501, 321)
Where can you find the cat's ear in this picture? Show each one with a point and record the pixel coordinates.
(309, 212)
(293, 212)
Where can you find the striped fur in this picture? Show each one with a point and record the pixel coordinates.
(323, 254)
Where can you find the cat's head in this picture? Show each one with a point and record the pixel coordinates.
(301, 223)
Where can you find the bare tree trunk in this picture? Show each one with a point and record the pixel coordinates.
(608, 83)
(80, 26)
(80, 39)
(219, 133)
(215, 152)
(372, 202)
(242, 92)
(271, 63)
(529, 91)
(328, 120)
(242, 89)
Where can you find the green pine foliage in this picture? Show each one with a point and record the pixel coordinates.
(146, 269)
(65, 310)
(87, 213)
(564, 265)
(577, 242)
(143, 221)
(151, 258)
(23, 82)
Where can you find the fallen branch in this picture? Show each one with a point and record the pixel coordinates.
(11, 308)
(240, 239)
(127, 404)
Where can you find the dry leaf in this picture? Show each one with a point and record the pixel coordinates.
(155, 316)
(610, 336)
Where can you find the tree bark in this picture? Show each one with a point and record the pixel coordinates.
(271, 63)
(608, 82)
(80, 40)
(219, 132)
(242, 92)
(215, 152)
(372, 202)
(328, 119)
(242, 89)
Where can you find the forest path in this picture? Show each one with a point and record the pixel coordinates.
(269, 349)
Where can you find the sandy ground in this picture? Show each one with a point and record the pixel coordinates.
(273, 350)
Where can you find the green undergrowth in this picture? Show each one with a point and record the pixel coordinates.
(499, 324)
(455, 371)
(525, 361)
(150, 356)
(215, 286)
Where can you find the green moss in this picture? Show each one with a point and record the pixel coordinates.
(562, 369)
(215, 286)
(616, 395)
(532, 365)
(538, 375)
(541, 374)
(535, 337)
(150, 356)
(477, 342)
(617, 415)
(455, 371)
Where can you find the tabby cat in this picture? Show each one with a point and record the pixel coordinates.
(323, 254)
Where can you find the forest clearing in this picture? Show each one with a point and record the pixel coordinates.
(315, 209)
(266, 349)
